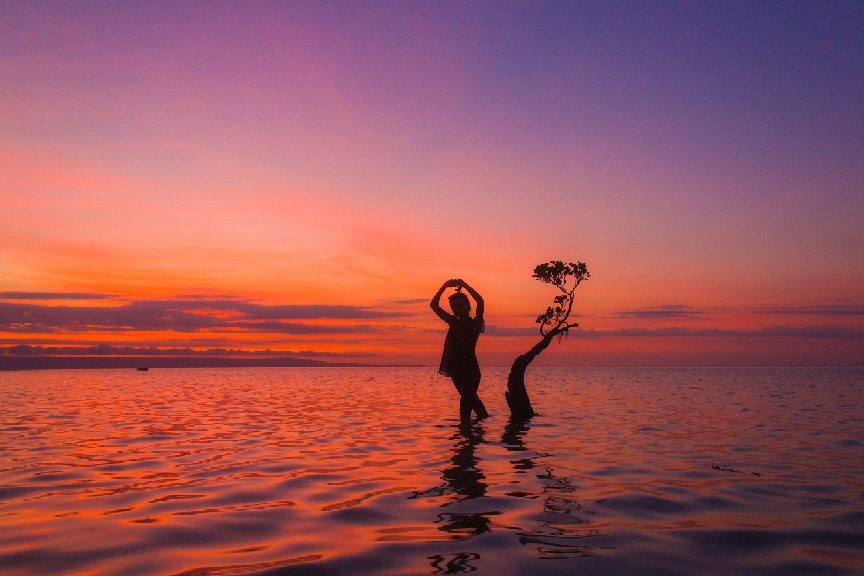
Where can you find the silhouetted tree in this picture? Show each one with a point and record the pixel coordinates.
(554, 322)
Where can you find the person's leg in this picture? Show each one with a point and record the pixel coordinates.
(468, 398)
(465, 406)
(474, 400)
(463, 387)
(479, 408)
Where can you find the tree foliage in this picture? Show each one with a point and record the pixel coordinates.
(566, 276)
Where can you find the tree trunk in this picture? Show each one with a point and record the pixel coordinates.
(516, 394)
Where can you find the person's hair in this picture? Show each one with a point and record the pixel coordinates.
(461, 297)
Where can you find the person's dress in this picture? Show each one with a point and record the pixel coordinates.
(459, 360)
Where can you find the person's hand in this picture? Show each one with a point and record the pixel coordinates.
(453, 283)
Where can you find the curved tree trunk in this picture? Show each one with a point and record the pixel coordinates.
(516, 394)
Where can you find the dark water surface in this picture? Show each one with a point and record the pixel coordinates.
(366, 471)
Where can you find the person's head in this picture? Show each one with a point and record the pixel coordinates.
(460, 305)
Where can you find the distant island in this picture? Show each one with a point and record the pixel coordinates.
(24, 357)
(79, 362)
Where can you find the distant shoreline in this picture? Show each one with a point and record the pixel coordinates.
(13, 363)
(16, 363)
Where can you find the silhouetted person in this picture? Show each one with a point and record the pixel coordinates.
(459, 360)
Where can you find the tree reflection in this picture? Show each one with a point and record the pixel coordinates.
(513, 441)
(558, 528)
(453, 563)
(465, 525)
(563, 529)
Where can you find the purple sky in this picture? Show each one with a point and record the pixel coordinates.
(698, 156)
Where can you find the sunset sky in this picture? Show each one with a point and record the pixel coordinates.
(302, 176)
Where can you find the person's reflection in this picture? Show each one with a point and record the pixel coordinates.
(463, 480)
(464, 477)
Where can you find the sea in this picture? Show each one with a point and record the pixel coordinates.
(367, 471)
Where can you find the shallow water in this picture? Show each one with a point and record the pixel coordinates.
(366, 471)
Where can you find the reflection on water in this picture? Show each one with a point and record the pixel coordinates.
(454, 564)
(462, 478)
(329, 471)
(562, 532)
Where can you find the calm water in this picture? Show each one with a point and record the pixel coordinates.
(365, 471)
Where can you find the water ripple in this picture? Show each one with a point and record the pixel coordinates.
(331, 471)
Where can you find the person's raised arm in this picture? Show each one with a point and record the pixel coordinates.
(477, 298)
(435, 304)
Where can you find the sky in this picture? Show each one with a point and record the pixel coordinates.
(301, 177)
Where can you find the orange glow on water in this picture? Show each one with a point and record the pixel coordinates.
(252, 469)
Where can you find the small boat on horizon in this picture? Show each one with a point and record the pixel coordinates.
(142, 368)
